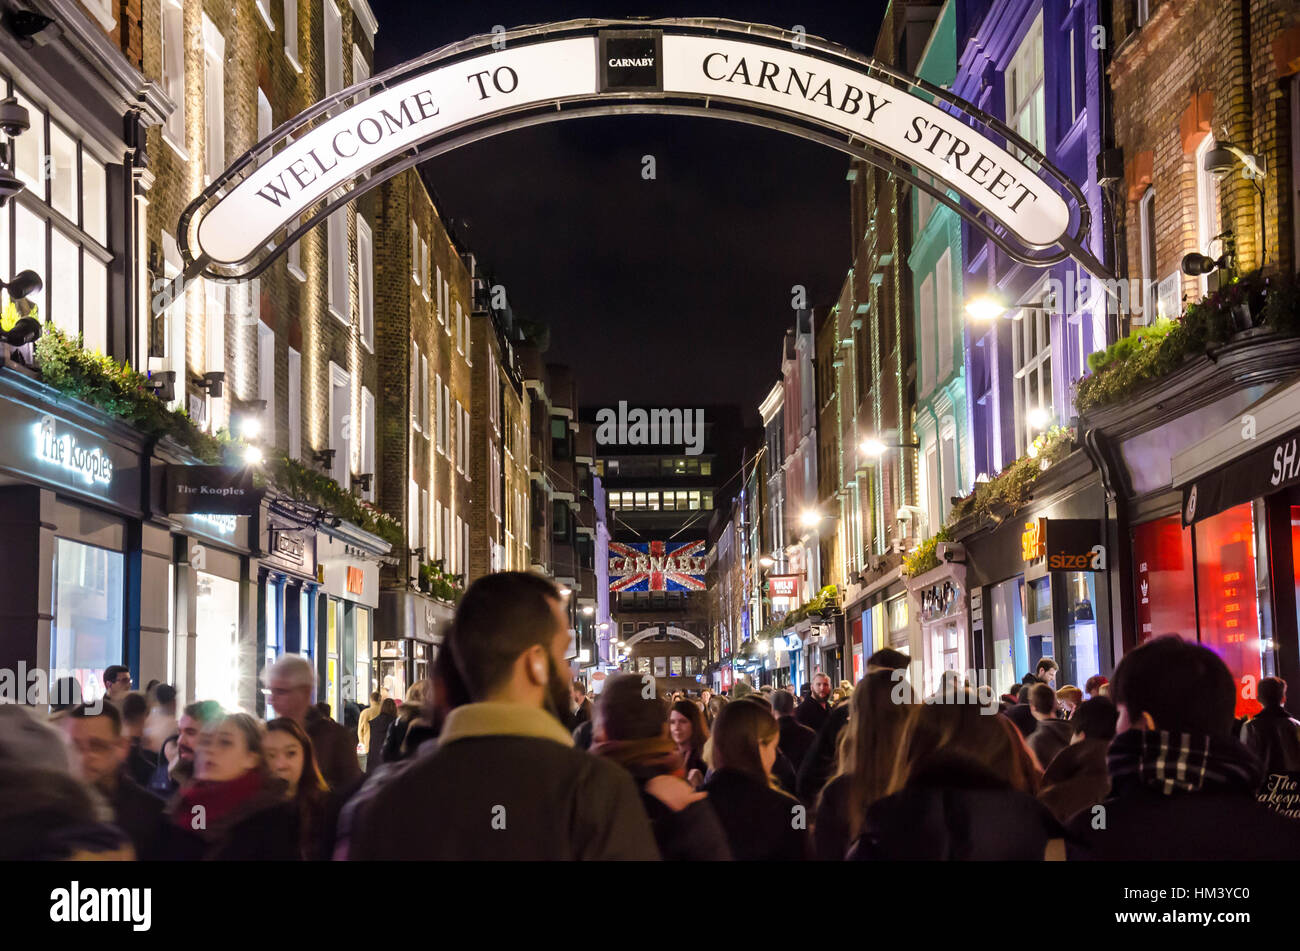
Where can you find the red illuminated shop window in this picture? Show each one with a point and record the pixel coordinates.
(1225, 575)
(1166, 593)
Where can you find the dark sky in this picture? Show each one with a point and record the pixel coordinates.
(674, 291)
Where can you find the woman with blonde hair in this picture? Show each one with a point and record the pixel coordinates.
(866, 761)
(962, 787)
(758, 817)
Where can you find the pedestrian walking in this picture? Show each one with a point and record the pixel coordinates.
(761, 821)
(291, 759)
(1273, 734)
(1077, 777)
(687, 729)
(232, 810)
(633, 731)
(176, 760)
(796, 739)
(1182, 786)
(378, 733)
(292, 681)
(504, 781)
(813, 711)
(1050, 735)
(363, 721)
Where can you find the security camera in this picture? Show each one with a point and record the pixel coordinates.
(14, 120)
(950, 552)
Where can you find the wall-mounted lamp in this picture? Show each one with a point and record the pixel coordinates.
(323, 458)
(28, 326)
(212, 382)
(163, 385)
(363, 481)
(248, 418)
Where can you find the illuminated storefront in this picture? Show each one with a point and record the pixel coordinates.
(348, 567)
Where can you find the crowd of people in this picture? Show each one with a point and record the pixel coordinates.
(499, 756)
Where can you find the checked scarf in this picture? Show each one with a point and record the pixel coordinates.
(1173, 763)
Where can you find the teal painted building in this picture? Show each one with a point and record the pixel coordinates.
(936, 265)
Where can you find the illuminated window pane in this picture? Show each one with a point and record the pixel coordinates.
(1225, 576)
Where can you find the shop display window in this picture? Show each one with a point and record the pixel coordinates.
(1082, 658)
(86, 625)
(1226, 597)
(1166, 585)
(216, 659)
(363, 655)
(1010, 653)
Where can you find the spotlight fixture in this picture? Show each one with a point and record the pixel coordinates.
(31, 28)
(23, 285)
(984, 308)
(163, 385)
(323, 458)
(253, 455)
(362, 481)
(212, 383)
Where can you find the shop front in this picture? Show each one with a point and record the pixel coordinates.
(347, 565)
(287, 583)
(882, 618)
(939, 601)
(70, 515)
(1034, 579)
(409, 629)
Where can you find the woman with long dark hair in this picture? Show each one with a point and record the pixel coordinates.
(962, 788)
(866, 762)
(232, 809)
(687, 729)
(761, 821)
(291, 759)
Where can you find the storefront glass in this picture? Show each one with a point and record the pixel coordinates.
(898, 620)
(1166, 585)
(1226, 596)
(1008, 619)
(391, 669)
(86, 628)
(304, 623)
(1038, 624)
(332, 657)
(363, 655)
(216, 658)
(1082, 659)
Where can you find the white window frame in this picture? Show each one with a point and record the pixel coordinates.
(264, 8)
(413, 516)
(424, 393)
(1147, 239)
(333, 41)
(1028, 368)
(1207, 207)
(366, 283)
(214, 74)
(446, 305)
(172, 35)
(340, 379)
(175, 342)
(943, 313)
(925, 311)
(291, 34)
(415, 252)
(294, 365)
(415, 387)
(265, 117)
(339, 278)
(102, 11)
(1025, 98)
(360, 71)
(368, 441)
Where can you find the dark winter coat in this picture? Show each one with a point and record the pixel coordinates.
(140, 763)
(831, 824)
(954, 809)
(796, 739)
(138, 813)
(335, 747)
(380, 724)
(264, 828)
(1076, 779)
(504, 782)
(812, 713)
(1274, 736)
(1048, 739)
(761, 822)
(819, 763)
(692, 835)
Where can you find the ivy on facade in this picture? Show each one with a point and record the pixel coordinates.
(440, 583)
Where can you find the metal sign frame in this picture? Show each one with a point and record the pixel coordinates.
(368, 177)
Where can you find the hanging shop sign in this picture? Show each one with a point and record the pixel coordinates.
(290, 548)
(783, 586)
(211, 490)
(491, 84)
(656, 566)
(1274, 466)
(1068, 544)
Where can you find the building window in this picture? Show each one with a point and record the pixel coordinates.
(340, 418)
(360, 70)
(415, 387)
(214, 101)
(444, 434)
(266, 379)
(1207, 209)
(291, 33)
(1023, 80)
(368, 440)
(295, 404)
(173, 73)
(1147, 229)
(943, 313)
(366, 283)
(1032, 346)
(333, 49)
(424, 393)
(264, 8)
(925, 314)
(415, 252)
(337, 227)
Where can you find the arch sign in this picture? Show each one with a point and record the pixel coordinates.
(351, 142)
(670, 631)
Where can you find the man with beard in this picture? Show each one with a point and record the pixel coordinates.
(813, 712)
(176, 763)
(504, 781)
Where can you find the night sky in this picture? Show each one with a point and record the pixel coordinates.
(674, 291)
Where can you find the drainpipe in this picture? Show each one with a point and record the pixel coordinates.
(1119, 557)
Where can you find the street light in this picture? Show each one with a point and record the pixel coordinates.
(766, 561)
(1038, 418)
(588, 610)
(984, 308)
(810, 518)
(875, 448)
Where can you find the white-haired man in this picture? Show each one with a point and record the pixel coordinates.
(292, 682)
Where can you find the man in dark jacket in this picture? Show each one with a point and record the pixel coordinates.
(1077, 777)
(796, 739)
(1050, 735)
(504, 781)
(292, 680)
(1273, 735)
(1182, 786)
(98, 751)
(816, 707)
(581, 705)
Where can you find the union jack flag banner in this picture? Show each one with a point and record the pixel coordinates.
(656, 566)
